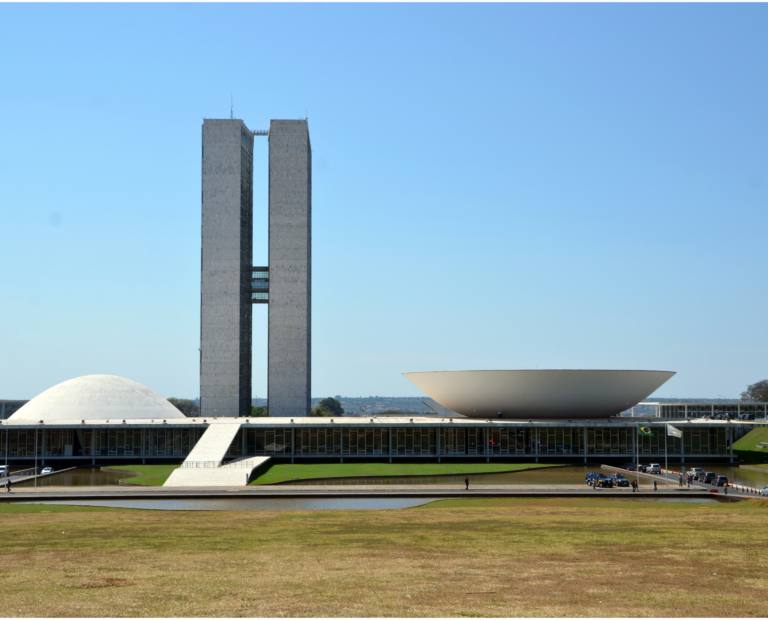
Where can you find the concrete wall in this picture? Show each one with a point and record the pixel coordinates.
(290, 276)
(227, 255)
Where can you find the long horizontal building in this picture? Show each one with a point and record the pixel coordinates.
(391, 438)
(101, 419)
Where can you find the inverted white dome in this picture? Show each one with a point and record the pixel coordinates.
(96, 397)
(543, 394)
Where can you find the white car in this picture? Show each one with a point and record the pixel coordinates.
(697, 472)
(46, 470)
(764, 491)
(3, 470)
(653, 468)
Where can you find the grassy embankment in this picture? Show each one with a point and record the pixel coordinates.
(753, 447)
(285, 472)
(155, 475)
(500, 557)
(146, 475)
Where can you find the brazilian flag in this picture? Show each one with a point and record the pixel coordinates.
(644, 431)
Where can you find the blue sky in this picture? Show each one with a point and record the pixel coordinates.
(497, 186)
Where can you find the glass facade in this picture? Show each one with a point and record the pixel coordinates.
(564, 442)
(260, 285)
(723, 411)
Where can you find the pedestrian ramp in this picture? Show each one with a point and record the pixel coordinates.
(204, 465)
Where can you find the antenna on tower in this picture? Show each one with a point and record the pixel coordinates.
(231, 107)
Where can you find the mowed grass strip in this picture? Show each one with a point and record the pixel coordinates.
(753, 447)
(292, 472)
(146, 475)
(499, 557)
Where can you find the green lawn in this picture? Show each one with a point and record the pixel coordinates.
(146, 475)
(286, 472)
(556, 557)
(749, 447)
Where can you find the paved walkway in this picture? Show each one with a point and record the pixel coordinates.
(346, 490)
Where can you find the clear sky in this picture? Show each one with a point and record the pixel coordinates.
(533, 186)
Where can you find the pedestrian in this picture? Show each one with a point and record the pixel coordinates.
(725, 488)
(634, 486)
(690, 480)
(8, 485)
(466, 484)
(655, 486)
(680, 480)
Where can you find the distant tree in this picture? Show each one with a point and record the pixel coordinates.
(259, 412)
(189, 408)
(757, 391)
(327, 408)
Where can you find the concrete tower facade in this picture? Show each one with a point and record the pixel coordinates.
(227, 256)
(229, 281)
(290, 273)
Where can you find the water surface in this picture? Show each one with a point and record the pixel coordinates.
(247, 503)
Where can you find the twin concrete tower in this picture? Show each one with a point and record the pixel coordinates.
(230, 283)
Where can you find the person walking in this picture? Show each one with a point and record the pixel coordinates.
(680, 480)
(466, 484)
(8, 484)
(634, 486)
(655, 486)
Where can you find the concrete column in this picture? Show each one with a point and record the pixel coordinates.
(290, 273)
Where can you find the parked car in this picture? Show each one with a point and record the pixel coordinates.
(764, 491)
(3, 470)
(591, 477)
(696, 472)
(46, 470)
(630, 467)
(653, 468)
(709, 477)
(620, 481)
(721, 481)
(604, 482)
(641, 467)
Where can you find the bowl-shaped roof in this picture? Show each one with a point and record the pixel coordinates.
(96, 397)
(539, 393)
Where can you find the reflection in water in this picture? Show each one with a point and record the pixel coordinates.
(82, 477)
(350, 503)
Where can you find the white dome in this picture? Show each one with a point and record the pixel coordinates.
(96, 397)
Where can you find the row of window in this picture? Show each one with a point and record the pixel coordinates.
(374, 442)
(682, 411)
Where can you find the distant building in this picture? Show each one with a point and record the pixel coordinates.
(7, 407)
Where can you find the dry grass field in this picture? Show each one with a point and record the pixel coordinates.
(553, 557)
